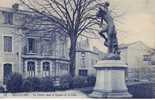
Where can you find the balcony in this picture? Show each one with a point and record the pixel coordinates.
(42, 55)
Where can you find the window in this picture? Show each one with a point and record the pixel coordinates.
(31, 68)
(63, 49)
(7, 44)
(63, 67)
(46, 69)
(83, 56)
(31, 45)
(147, 58)
(153, 62)
(46, 66)
(83, 72)
(8, 18)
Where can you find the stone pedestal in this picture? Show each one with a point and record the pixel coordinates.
(110, 80)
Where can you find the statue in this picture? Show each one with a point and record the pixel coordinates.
(111, 67)
(109, 32)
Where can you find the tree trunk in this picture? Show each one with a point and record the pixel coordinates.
(72, 55)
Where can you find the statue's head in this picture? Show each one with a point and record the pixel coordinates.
(101, 12)
(106, 4)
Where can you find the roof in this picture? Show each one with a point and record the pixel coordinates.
(33, 15)
(122, 46)
(17, 11)
(84, 46)
(125, 46)
(88, 51)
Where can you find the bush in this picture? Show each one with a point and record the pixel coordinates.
(35, 83)
(27, 86)
(65, 82)
(15, 83)
(141, 90)
(31, 84)
(2, 89)
(91, 81)
(79, 82)
(46, 84)
(18, 84)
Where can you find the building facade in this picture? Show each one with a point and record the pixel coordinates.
(45, 55)
(86, 58)
(32, 54)
(134, 55)
(149, 60)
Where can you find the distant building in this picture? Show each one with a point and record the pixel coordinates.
(86, 58)
(150, 61)
(153, 58)
(134, 55)
(100, 53)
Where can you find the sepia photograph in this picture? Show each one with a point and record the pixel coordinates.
(89, 49)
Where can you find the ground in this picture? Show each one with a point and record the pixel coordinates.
(60, 94)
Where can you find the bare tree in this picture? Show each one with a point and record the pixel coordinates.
(73, 17)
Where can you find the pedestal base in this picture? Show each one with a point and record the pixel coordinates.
(110, 80)
(118, 94)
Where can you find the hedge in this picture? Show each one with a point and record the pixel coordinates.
(14, 83)
(32, 84)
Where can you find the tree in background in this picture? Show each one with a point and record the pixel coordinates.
(73, 17)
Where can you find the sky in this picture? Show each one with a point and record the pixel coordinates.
(136, 23)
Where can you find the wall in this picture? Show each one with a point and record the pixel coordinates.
(13, 57)
(90, 60)
(133, 55)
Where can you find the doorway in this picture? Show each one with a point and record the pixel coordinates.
(7, 72)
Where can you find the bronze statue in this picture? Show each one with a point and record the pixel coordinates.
(109, 33)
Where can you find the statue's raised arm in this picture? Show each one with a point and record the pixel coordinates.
(109, 33)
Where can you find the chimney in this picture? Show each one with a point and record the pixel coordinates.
(15, 6)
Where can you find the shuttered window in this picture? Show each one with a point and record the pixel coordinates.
(31, 45)
(31, 69)
(8, 18)
(7, 44)
(46, 69)
(83, 72)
